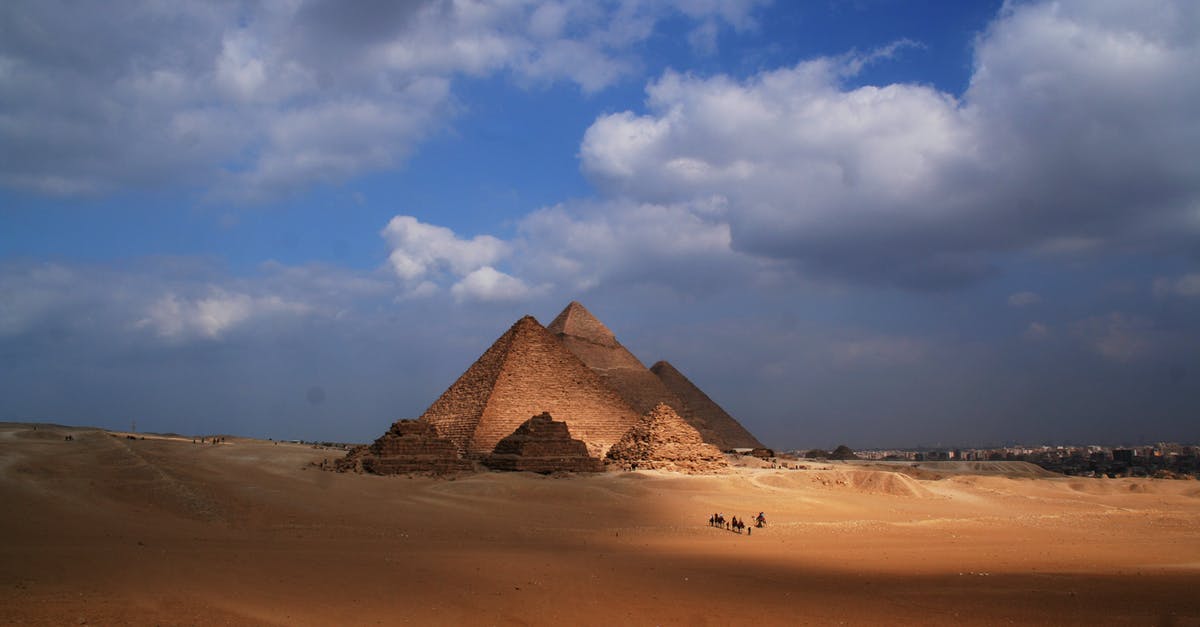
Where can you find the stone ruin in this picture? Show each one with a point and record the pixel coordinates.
(410, 446)
(661, 440)
(578, 372)
(544, 445)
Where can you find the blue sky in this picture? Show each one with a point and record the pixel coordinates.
(872, 222)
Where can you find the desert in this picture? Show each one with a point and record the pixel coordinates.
(105, 529)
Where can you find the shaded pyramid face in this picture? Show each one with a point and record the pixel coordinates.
(717, 426)
(596, 346)
(527, 371)
(662, 440)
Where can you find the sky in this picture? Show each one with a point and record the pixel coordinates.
(881, 223)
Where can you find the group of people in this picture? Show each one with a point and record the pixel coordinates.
(733, 524)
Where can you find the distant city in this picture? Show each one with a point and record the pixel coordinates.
(1164, 460)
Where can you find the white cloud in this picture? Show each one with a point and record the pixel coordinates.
(255, 101)
(421, 250)
(212, 315)
(578, 246)
(1077, 133)
(489, 284)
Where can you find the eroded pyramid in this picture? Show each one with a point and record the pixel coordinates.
(662, 440)
(714, 424)
(528, 371)
(408, 446)
(542, 444)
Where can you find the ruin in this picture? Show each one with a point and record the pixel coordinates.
(544, 445)
(662, 440)
(408, 446)
(527, 371)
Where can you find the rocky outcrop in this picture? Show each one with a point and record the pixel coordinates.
(544, 445)
(661, 440)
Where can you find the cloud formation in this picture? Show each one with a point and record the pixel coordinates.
(424, 256)
(250, 102)
(1077, 133)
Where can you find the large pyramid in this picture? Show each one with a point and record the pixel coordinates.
(524, 373)
(595, 345)
(717, 426)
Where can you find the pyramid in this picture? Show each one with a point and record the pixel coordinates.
(527, 371)
(409, 446)
(542, 444)
(717, 427)
(661, 440)
(595, 345)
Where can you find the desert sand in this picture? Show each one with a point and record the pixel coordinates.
(108, 530)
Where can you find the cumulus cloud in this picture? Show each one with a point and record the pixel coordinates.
(489, 284)
(579, 246)
(424, 255)
(254, 101)
(1078, 126)
(212, 315)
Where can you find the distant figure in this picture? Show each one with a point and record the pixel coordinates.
(761, 520)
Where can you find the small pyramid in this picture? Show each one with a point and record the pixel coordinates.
(409, 446)
(596, 346)
(527, 371)
(544, 445)
(661, 440)
(717, 426)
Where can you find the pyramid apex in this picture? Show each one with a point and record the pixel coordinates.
(575, 320)
(526, 321)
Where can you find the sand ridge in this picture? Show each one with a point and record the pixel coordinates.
(107, 530)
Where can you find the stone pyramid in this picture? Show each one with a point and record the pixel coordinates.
(527, 371)
(717, 426)
(409, 446)
(595, 345)
(661, 440)
(542, 444)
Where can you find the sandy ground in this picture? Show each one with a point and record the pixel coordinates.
(106, 530)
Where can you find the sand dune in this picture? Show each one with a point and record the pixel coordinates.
(106, 530)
